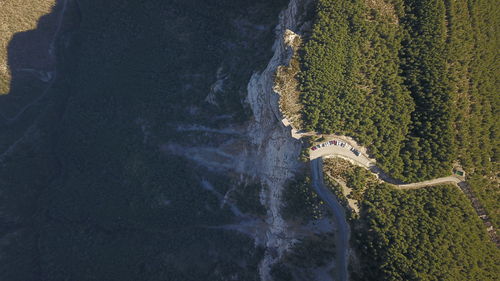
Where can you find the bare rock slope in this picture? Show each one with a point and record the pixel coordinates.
(277, 151)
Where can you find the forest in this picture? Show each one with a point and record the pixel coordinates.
(301, 203)
(414, 81)
(425, 234)
(87, 193)
(430, 233)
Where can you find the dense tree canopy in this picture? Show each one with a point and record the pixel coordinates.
(87, 193)
(431, 233)
(426, 234)
(414, 80)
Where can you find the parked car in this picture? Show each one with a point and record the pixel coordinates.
(314, 148)
(357, 153)
(334, 142)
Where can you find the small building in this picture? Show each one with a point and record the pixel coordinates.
(459, 172)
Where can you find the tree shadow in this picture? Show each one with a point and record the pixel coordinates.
(44, 208)
(32, 57)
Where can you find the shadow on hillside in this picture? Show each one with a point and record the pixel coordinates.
(28, 165)
(383, 176)
(32, 57)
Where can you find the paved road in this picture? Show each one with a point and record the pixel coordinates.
(445, 180)
(364, 161)
(342, 235)
(335, 150)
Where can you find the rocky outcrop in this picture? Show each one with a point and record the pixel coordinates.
(277, 152)
(263, 149)
(287, 84)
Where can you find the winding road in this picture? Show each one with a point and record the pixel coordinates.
(343, 231)
(369, 163)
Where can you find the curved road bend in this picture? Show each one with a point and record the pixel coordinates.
(364, 161)
(342, 235)
(370, 164)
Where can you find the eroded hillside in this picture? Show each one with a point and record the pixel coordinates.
(155, 151)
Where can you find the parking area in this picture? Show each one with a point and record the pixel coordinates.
(340, 148)
(338, 143)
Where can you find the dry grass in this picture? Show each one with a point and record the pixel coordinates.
(337, 168)
(287, 85)
(17, 16)
(384, 8)
(341, 169)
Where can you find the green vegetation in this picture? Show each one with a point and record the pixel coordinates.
(430, 233)
(301, 202)
(307, 142)
(310, 252)
(351, 82)
(474, 69)
(429, 148)
(247, 198)
(358, 180)
(88, 193)
(286, 84)
(414, 81)
(426, 234)
(355, 177)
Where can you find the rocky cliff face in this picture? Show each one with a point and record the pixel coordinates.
(144, 143)
(267, 153)
(277, 152)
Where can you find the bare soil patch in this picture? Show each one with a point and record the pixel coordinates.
(25, 36)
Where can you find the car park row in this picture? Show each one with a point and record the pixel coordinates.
(337, 143)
